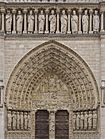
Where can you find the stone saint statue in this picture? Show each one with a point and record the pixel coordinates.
(21, 118)
(18, 120)
(14, 120)
(94, 120)
(85, 22)
(78, 121)
(19, 22)
(25, 121)
(8, 18)
(9, 120)
(74, 22)
(74, 121)
(29, 121)
(0, 22)
(30, 22)
(82, 121)
(90, 120)
(63, 22)
(41, 19)
(96, 21)
(85, 121)
(52, 19)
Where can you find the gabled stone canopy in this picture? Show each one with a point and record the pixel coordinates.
(52, 58)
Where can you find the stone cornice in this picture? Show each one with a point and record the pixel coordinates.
(54, 37)
(52, 1)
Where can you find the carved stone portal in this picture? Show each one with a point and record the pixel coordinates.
(49, 81)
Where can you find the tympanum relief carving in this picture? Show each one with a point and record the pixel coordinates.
(51, 93)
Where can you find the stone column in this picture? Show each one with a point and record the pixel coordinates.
(80, 18)
(47, 21)
(36, 21)
(25, 21)
(90, 26)
(14, 21)
(1, 92)
(2, 18)
(57, 31)
(103, 93)
(33, 124)
(70, 124)
(102, 21)
(69, 18)
(52, 125)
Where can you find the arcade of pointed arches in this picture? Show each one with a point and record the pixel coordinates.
(52, 85)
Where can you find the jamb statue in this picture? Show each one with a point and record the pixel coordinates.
(41, 19)
(30, 22)
(52, 19)
(8, 18)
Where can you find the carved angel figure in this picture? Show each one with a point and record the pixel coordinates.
(52, 19)
(8, 18)
(85, 22)
(96, 21)
(63, 22)
(74, 22)
(30, 22)
(19, 22)
(41, 19)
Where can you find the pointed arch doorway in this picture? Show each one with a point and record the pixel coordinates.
(52, 79)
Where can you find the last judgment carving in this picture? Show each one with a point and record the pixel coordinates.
(53, 21)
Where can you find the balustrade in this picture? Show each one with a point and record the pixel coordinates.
(56, 21)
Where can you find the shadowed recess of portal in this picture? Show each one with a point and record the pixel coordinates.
(42, 124)
(62, 124)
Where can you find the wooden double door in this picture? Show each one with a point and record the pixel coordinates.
(61, 124)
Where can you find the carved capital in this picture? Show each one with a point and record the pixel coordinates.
(2, 10)
(14, 11)
(80, 11)
(90, 11)
(57, 11)
(25, 11)
(47, 11)
(36, 11)
(69, 11)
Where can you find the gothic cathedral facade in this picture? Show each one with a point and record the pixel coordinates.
(52, 69)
